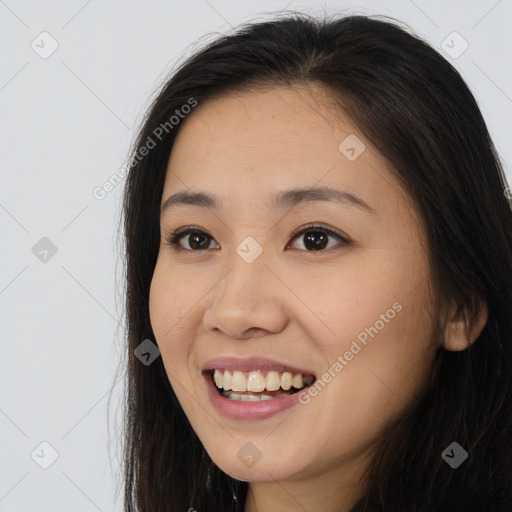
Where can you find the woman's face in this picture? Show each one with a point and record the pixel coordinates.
(344, 301)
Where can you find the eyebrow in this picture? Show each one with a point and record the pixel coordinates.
(284, 199)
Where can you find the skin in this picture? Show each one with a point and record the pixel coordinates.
(293, 304)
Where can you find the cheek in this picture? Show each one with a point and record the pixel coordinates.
(388, 352)
(351, 302)
(170, 302)
(377, 379)
(380, 323)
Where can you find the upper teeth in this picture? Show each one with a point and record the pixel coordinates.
(256, 382)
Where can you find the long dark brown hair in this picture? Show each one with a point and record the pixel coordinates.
(419, 113)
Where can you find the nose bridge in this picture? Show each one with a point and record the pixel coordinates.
(247, 273)
(244, 299)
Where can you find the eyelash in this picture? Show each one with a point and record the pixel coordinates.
(173, 239)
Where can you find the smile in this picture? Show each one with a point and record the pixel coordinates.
(253, 388)
(259, 385)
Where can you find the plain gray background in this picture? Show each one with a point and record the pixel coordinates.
(67, 120)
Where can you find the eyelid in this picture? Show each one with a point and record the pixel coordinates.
(312, 225)
(186, 229)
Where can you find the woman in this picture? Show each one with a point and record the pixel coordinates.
(319, 242)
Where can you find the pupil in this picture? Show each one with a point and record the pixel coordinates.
(317, 239)
(195, 244)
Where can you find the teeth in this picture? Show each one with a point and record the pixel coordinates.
(227, 380)
(249, 398)
(217, 377)
(286, 381)
(239, 382)
(256, 382)
(272, 381)
(297, 381)
(237, 397)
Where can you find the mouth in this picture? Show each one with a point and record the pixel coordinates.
(254, 388)
(258, 385)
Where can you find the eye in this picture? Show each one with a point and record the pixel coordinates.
(315, 238)
(196, 239)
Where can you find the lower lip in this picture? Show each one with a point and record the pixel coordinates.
(238, 410)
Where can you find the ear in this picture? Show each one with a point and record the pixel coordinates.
(456, 335)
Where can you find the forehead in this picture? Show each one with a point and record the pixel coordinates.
(260, 142)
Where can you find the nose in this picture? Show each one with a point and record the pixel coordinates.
(248, 302)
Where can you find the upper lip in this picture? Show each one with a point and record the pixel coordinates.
(252, 364)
